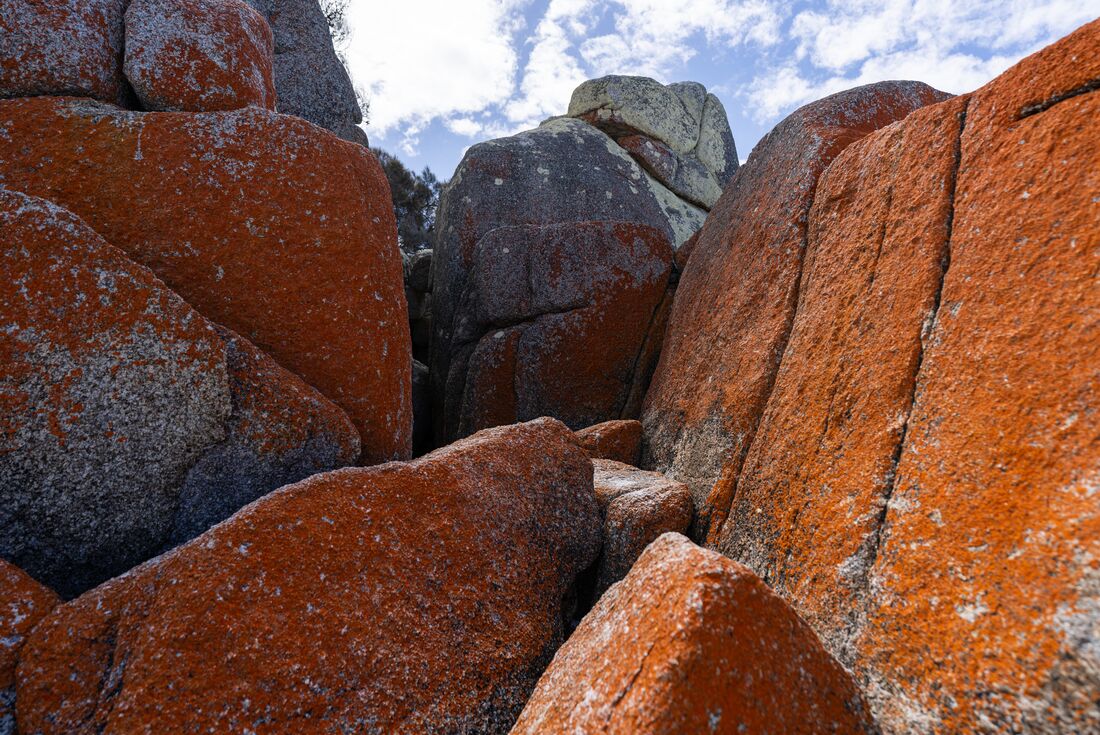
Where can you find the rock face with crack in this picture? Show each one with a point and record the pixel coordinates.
(619, 440)
(403, 598)
(740, 290)
(553, 321)
(310, 79)
(296, 248)
(677, 132)
(23, 602)
(198, 55)
(691, 642)
(131, 423)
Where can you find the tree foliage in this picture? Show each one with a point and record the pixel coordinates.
(335, 12)
(415, 197)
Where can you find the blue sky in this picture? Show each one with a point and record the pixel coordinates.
(442, 75)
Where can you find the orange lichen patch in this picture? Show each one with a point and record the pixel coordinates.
(555, 319)
(985, 586)
(691, 642)
(400, 598)
(23, 602)
(263, 222)
(55, 47)
(809, 499)
(620, 440)
(736, 300)
(199, 55)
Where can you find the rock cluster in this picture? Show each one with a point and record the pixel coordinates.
(874, 408)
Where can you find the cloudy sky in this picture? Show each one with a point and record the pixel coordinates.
(444, 74)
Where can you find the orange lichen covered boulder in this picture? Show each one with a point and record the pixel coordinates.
(691, 642)
(552, 322)
(23, 602)
(736, 300)
(620, 440)
(199, 55)
(54, 47)
(129, 423)
(986, 609)
(400, 598)
(808, 503)
(638, 506)
(264, 223)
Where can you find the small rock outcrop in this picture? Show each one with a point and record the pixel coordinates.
(638, 506)
(295, 248)
(677, 132)
(23, 602)
(552, 320)
(131, 423)
(619, 440)
(404, 598)
(62, 48)
(691, 642)
(310, 78)
(737, 296)
(198, 55)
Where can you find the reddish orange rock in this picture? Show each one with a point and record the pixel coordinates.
(199, 55)
(128, 423)
(736, 300)
(809, 499)
(23, 602)
(986, 608)
(638, 506)
(691, 642)
(401, 598)
(620, 440)
(263, 222)
(54, 47)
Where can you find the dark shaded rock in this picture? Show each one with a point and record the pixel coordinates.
(422, 409)
(130, 422)
(402, 598)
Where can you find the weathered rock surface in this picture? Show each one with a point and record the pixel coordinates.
(551, 322)
(736, 300)
(198, 55)
(638, 506)
(295, 248)
(807, 508)
(678, 133)
(691, 642)
(310, 79)
(130, 423)
(403, 598)
(986, 589)
(619, 440)
(23, 602)
(62, 47)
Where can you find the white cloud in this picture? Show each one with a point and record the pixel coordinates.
(425, 59)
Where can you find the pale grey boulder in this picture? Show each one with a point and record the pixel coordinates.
(310, 80)
(130, 422)
(678, 132)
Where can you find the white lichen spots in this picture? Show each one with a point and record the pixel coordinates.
(243, 549)
(498, 181)
(219, 273)
(1025, 195)
(972, 611)
(498, 335)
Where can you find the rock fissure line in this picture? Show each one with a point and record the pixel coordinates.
(645, 342)
(895, 460)
(1037, 107)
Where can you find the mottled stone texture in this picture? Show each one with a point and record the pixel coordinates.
(986, 587)
(619, 440)
(130, 423)
(552, 322)
(262, 222)
(23, 602)
(402, 598)
(736, 300)
(310, 79)
(62, 47)
(638, 506)
(808, 503)
(198, 55)
(691, 642)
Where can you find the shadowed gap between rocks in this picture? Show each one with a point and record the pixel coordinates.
(1038, 107)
